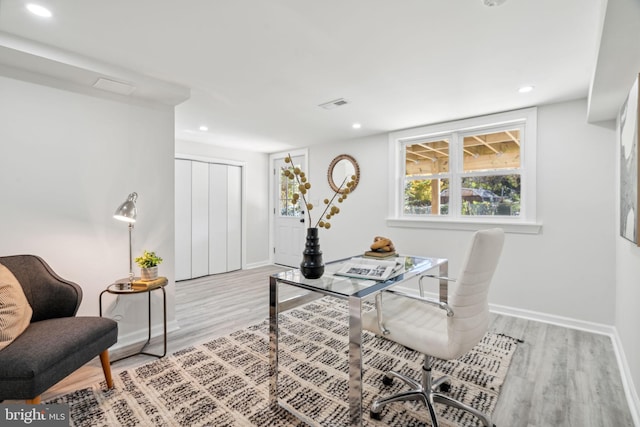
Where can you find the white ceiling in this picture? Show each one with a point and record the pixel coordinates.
(258, 69)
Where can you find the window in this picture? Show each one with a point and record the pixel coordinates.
(288, 187)
(473, 170)
(426, 176)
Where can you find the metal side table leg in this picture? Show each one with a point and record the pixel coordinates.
(164, 324)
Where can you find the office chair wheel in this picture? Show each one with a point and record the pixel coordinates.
(387, 381)
(445, 388)
(378, 415)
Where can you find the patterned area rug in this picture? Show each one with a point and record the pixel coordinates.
(225, 382)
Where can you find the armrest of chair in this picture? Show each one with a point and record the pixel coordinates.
(444, 288)
(430, 301)
(433, 276)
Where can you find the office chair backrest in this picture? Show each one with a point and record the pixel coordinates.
(469, 300)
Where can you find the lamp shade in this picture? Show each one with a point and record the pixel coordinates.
(127, 211)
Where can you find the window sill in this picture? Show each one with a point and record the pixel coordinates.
(507, 226)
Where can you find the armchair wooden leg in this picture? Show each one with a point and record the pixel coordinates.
(106, 367)
(34, 401)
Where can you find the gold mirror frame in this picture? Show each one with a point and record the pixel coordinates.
(335, 186)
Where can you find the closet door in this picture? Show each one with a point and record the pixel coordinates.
(200, 219)
(218, 217)
(234, 218)
(183, 219)
(208, 218)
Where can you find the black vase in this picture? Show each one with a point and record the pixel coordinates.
(312, 266)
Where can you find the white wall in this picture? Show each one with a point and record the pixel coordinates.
(67, 161)
(577, 271)
(256, 198)
(566, 271)
(627, 298)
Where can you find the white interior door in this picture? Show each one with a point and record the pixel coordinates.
(234, 218)
(199, 219)
(218, 218)
(183, 219)
(289, 225)
(209, 208)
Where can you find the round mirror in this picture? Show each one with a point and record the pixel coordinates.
(343, 166)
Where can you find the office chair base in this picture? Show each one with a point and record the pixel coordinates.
(428, 392)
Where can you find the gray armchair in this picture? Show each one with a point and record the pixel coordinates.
(56, 342)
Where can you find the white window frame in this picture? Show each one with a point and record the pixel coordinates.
(526, 222)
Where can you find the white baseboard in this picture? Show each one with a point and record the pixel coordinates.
(258, 264)
(627, 379)
(611, 331)
(567, 322)
(140, 335)
(537, 316)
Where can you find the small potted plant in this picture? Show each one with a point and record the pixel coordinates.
(148, 263)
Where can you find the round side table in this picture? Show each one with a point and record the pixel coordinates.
(120, 288)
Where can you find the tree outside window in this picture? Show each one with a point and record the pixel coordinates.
(486, 173)
(287, 188)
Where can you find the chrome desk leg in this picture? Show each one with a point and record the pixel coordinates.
(444, 285)
(355, 361)
(273, 342)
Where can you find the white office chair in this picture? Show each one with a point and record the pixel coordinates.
(437, 328)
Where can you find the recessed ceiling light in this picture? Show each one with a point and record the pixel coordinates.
(204, 128)
(525, 89)
(356, 125)
(38, 10)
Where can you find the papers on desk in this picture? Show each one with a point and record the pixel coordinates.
(374, 269)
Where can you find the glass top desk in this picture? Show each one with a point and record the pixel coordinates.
(354, 291)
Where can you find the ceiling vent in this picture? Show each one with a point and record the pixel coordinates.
(492, 3)
(334, 104)
(114, 86)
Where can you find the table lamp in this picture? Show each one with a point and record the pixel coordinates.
(127, 212)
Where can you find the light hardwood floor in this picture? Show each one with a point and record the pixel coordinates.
(558, 376)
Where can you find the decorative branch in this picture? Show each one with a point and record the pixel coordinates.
(299, 176)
